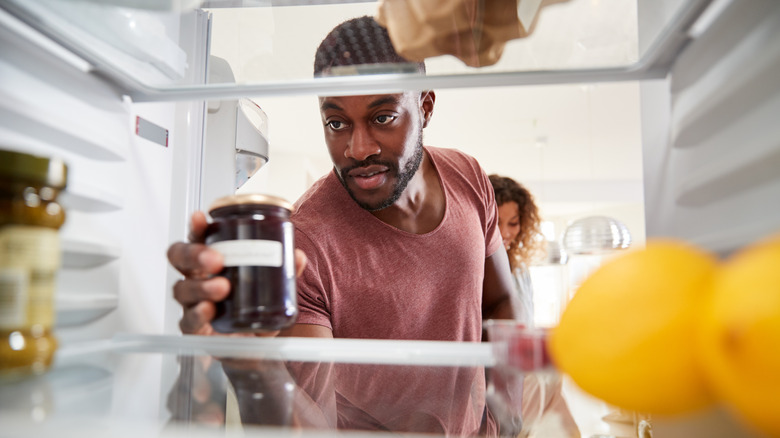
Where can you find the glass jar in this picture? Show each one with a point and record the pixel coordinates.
(254, 234)
(30, 218)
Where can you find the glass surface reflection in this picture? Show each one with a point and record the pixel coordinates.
(171, 386)
(442, 400)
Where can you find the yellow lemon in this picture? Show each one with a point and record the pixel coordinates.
(740, 335)
(627, 336)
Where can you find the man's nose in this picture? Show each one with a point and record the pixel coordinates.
(361, 144)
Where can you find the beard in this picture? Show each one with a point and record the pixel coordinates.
(403, 177)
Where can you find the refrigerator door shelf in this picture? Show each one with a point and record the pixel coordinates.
(90, 198)
(251, 140)
(83, 254)
(80, 309)
(85, 135)
(67, 389)
(134, 40)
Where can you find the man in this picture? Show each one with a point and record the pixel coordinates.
(401, 242)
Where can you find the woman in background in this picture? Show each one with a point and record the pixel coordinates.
(519, 222)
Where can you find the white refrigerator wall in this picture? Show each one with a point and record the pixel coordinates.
(711, 134)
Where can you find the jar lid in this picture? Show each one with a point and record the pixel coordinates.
(51, 172)
(250, 199)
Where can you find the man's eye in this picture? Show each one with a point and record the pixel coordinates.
(335, 125)
(384, 119)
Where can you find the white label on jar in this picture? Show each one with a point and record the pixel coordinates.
(250, 252)
(29, 259)
(13, 298)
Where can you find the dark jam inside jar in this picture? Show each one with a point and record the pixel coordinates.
(255, 235)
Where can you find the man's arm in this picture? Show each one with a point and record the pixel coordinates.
(499, 298)
(307, 331)
(500, 301)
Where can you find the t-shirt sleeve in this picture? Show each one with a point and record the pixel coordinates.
(493, 240)
(313, 303)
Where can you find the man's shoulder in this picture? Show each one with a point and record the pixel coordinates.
(318, 203)
(449, 160)
(311, 194)
(450, 154)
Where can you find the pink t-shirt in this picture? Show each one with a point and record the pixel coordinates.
(367, 279)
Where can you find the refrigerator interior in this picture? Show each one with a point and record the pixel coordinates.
(128, 192)
(128, 106)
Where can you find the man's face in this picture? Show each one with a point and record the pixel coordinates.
(375, 143)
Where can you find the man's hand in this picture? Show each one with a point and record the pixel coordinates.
(201, 288)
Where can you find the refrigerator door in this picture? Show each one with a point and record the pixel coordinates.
(134, 174)
(711, 149)
(236, 144)
(133, 180)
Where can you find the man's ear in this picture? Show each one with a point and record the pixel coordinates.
(427, 101)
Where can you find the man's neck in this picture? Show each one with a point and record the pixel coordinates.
(420, 208)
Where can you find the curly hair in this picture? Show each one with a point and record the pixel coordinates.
(525, 247)
(359, 41)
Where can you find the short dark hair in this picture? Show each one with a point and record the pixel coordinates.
(359, 41)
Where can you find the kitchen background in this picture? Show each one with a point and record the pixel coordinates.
(577, 147)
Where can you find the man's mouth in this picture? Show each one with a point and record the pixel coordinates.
(370, 177)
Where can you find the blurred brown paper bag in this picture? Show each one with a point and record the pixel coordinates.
(474, 31)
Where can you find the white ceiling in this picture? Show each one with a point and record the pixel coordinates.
(577, 147)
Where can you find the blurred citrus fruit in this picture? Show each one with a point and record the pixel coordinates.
(740, 335)
(627, 337)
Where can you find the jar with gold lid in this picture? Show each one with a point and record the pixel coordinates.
(254, 234)
(30, 218)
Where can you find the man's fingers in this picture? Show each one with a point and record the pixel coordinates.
(198, 224)
(300, 262)
(190, 291)
(195, 259)
(197, 319)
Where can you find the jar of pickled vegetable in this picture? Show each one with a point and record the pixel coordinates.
(254, 234)
(30, 218)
